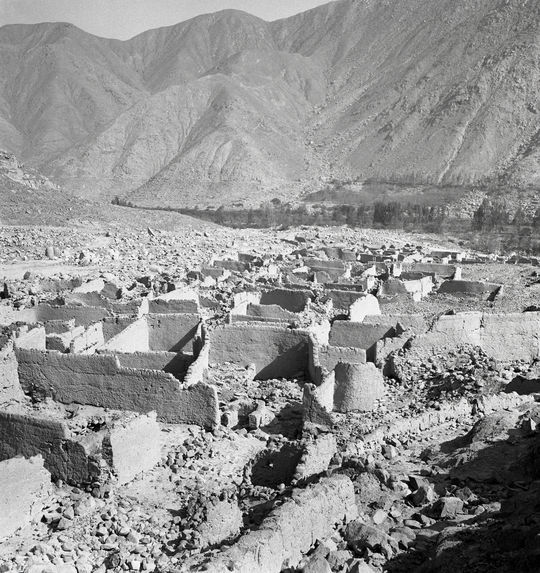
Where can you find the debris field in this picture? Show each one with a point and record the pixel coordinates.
(309, 400)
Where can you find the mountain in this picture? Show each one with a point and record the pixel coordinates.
(227, 108)
(29, 198)
(14, 175)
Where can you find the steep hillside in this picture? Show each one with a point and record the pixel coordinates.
(439, 91)
(29, 198)
(228, 108)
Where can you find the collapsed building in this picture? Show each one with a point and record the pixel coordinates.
(90, 379)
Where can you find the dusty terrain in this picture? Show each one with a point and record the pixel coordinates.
(229, 108)
(441, 465)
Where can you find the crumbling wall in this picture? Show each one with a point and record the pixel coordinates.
(89, 340)
(343, 299)
(172, 332)
(175, 363)
(318, 401)
(9, 315)
(277, 352)
(99, 380)
(291, 529)
(134, 308)
(293, 300)
(176, 302)
(474, 288)
(242, 300)
(134, 338)
(329, 356)
(10, 389)
(134, 446)
(83, 315)
(61, 340)
(417, 323)
(30, 435)
(511, 336)
(24, 487)
(263, 313)
(94, 299)
(33, 338)
(505, 337)
(316, 456)
(363, 306)
(197, 370)
(445, 271)
(112, 326)
(359, 335)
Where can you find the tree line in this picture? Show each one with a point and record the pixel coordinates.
(492, 219)
(394, 215)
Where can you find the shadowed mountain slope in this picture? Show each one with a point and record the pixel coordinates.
(226, 107)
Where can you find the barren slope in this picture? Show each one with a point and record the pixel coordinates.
(227, 108)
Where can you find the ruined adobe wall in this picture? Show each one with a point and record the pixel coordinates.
(290, 530)
(277, 352)
(99, 380)
(94, 299)
(317, 455)
(446, 271)
(9, 315)
(318, 401)
(196, 372)
(262, 313)
(33, 338)
(10, 389)
(61, 340)
(28, 435)
(459, 287)
(172, 332)
(505, 337)
(127, 440)
(89, 340)
(134, 338)
(83, 315)
(511, 336)
(349, 334)
(24, 488)
(417, 323)
(324, 358)
(175, 363)
(241, 300)
(343, 299)
(293, 300)
(175, 302)
(86, 455)
(419, 288)
(134, 308)
(329, 356)
(366, 305)
(112, 326)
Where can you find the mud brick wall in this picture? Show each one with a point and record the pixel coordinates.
(99, 380)
(277, 352)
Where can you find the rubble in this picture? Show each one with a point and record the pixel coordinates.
(260, 403)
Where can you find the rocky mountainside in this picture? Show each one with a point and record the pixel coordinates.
(29, 198)
(14, 175)
(229, 108)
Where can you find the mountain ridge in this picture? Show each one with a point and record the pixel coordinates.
(228, 108)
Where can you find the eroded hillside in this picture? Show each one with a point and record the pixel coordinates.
(227, 107)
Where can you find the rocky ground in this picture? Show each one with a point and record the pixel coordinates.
(445, 468)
